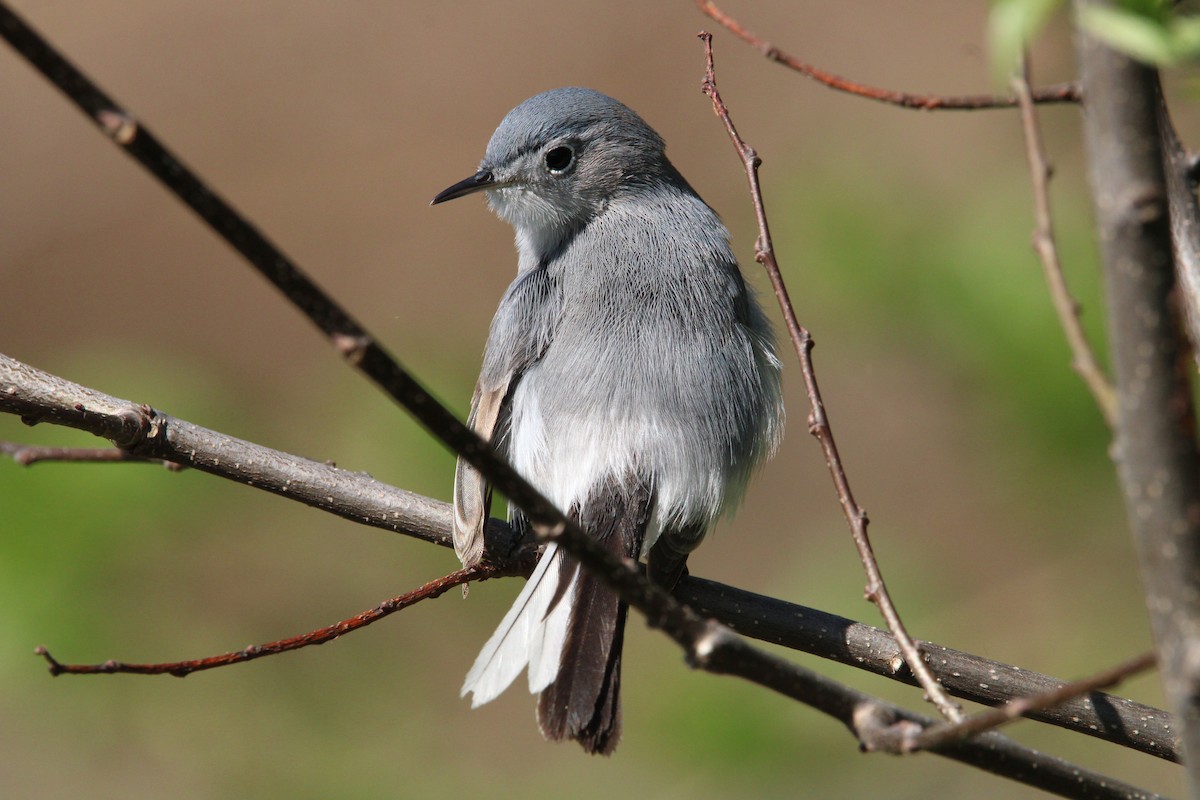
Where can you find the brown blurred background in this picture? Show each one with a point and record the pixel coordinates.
(904, 237)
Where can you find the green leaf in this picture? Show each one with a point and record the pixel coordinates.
(1012, 24)
(1154, 31)
(1144, 37)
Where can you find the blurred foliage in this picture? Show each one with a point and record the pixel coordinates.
(1160, 32)
(958, 281)
(1154, 31)
(1012, 25)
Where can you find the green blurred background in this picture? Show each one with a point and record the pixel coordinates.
(904, 238)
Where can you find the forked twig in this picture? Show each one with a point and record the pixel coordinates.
(936, 735)
(29, 454)
(181, 669)
(1058, 93)
(818, 421)
(1083, 359)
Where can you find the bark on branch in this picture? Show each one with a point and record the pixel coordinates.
(1155, 447)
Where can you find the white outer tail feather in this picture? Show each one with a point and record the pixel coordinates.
(532, 633)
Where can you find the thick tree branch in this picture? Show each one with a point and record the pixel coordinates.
(356, 496)
(142, 431)
(1155, 449)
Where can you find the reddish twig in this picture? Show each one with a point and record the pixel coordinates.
(181, 669)
(1058, 93)
(28, 454)
(1083, 359)
(818, 421)
(937, 735)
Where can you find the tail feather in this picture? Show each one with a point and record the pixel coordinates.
(568, 627)
(531, 633)
(545, 651)
(583, 702)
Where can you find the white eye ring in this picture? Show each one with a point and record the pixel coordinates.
(559, 159)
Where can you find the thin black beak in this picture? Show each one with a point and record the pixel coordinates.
(480, 180)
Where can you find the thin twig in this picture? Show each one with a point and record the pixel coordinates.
(818, 421)
(1083, 359)
(934, 736)
(29, 454)
(181, 669)
(1058, 93)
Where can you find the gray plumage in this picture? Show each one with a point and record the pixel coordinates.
(629, 375)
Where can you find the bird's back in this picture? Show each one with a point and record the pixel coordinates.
(660, 363)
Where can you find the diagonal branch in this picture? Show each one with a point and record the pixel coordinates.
(1059, 93)
(818, 421)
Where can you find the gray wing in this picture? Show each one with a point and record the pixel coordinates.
(521, 332)
(472, 495)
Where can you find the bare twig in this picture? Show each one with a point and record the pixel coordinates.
(818, 421)
(934, 736)
(360, 498)
(1058, 93)
(181, 669)
(1083, 359)
(29, 454)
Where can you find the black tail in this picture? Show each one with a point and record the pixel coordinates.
(584, 703)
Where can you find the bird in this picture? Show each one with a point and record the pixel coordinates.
(630, 375)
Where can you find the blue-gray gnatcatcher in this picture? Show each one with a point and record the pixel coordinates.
(629, 375)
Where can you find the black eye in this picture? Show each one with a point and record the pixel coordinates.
(559, 159)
